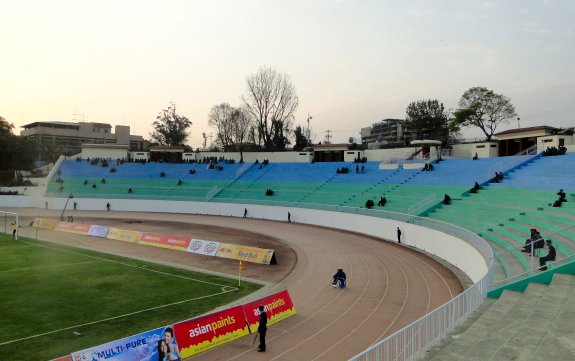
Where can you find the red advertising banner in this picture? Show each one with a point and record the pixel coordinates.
(278, 306)
(202, 333)
(165, 241)
(77, 228)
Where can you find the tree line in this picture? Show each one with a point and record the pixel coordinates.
(264, 120)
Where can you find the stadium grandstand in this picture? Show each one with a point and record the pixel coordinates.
(518, 311)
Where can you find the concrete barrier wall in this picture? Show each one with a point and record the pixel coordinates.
(450, 248)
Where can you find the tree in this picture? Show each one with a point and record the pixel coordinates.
(231, 124)
(15, 151)
(271, 101)
(300, 139)
(220, 118)
(483, 108)
(428, 117)
(170, 128)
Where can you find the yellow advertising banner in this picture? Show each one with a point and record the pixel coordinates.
(45, 223)
(123, 235)
(245, 253)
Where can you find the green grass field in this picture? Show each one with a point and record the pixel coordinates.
(56, 299)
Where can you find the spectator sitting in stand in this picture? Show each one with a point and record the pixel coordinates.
(550, 256)
(562, 195)
(369, 204)
(475, 188)
(130, 190)
(269, 192)
(180, 182)
(446, 200)
(382, 201)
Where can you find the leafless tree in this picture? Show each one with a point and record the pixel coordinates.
(220, 118)
(271, 101)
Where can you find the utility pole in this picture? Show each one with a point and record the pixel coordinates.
(307, 133)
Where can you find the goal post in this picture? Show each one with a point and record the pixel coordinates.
(9, 223)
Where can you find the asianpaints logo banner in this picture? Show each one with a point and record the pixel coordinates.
(164, 241)
(277, 306)
(141, 347)
(202, 333)
(200, 246)
(77, 228)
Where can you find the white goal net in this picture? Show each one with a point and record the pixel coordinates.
(9, 223)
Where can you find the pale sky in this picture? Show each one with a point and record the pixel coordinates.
(353, 63)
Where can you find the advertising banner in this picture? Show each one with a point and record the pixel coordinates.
(123, 235)
(45, 223)
(76, 228)
(164, 241)
(277, 306)
(207, 248)
(98, 231)
(202, 333)
(245, 253)
(145, 346)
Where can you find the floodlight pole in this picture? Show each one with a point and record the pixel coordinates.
(65, 205)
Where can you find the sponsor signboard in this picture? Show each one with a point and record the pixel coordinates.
(141, 347)
(202, 333)
(123, 235)
(277, 306)
(164, 241)
(245, 253)
(76, 228)
(98, 231)
(45, 223)
(207, 248)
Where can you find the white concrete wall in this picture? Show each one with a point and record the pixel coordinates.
(273, 157)
(553, 141)
(395, 153)
(455, 251)
(483, 150)
(104, 153)
(140, 156)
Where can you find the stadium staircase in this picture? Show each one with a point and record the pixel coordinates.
(533, 325)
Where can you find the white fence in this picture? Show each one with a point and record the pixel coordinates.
(411, 342)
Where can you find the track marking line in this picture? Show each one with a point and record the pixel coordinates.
(113, 318)
(44, 267)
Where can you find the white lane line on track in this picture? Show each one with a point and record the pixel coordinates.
(310, 338)
(305, 320)
(113, 318)
(128, 265)
(44, 267)
(367, 317)
(415, 266)
(425, 260)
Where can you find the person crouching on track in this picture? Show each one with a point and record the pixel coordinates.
(339, 276)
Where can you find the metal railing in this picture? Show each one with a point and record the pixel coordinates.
(412, 341)
(422, 205)
(511, 162)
